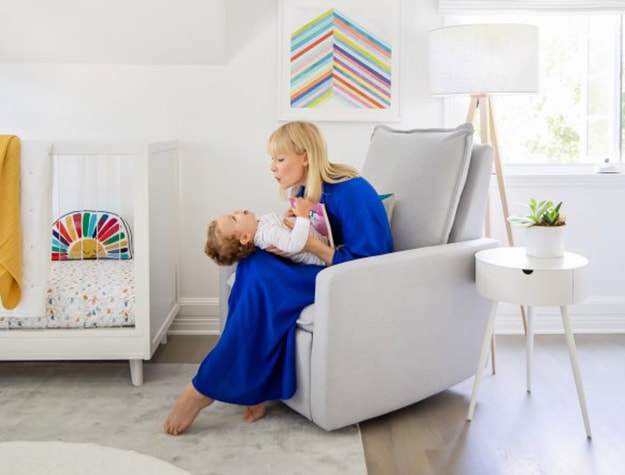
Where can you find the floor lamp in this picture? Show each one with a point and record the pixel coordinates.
(483, 60)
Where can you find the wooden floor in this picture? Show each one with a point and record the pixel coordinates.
(513, 432)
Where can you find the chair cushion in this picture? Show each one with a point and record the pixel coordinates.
(306, 320)
(427, 168)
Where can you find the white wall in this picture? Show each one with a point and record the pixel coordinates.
(595, 228)
(222, 116)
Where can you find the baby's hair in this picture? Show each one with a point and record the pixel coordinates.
(225, 250)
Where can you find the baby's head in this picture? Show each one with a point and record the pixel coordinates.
(230, 237)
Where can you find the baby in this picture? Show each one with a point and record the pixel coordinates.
(231, 237)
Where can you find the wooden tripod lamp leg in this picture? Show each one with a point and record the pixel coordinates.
(488, 135)
(498, 170)
(472, 107)
(501, 186)
(476, 102)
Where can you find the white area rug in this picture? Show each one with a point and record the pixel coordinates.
(95, 403)
(64, 458)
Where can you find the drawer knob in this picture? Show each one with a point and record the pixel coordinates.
(528, 271)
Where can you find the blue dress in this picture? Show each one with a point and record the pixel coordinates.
(254, 360)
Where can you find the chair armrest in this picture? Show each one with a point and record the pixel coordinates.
(381, 322)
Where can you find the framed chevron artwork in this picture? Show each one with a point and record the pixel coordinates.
(339, 60)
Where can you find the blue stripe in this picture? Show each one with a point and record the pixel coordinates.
(325, 84)
(310, 34)
(324, 61)
(367, 66)
(91, 225)
(364, 33)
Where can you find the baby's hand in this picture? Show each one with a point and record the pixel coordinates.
(301, 207)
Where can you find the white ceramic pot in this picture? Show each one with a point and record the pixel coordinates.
(544, 241)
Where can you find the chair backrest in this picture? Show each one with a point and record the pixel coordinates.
(469, 221)
(428, 169)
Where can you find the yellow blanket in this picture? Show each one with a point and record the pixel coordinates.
(10, 227)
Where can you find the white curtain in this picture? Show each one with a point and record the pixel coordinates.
(478, 7)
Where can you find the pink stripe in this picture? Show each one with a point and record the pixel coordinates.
(359, 38)
(374, 81)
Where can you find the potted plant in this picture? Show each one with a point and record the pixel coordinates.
(544, 223)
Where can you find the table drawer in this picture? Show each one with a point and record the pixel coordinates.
(529, 286)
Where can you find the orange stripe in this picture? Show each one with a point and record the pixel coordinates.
(69, 224)
(360, 94)
(364, 39)
(311, 84)
(116, 245)
(311, 45)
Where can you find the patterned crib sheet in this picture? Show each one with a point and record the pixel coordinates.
(85, 294)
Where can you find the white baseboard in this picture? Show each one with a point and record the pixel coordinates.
(598, 315)
(200, 316)
(197, 316)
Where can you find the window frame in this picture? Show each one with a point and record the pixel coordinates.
(584, 162)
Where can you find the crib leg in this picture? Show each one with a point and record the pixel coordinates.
(136, 372)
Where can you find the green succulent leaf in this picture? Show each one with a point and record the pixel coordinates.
(540, 213)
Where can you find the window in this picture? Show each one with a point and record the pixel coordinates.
(578, 114)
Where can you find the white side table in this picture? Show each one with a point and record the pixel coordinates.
(507, 274)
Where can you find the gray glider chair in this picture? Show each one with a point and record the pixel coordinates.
(388, 331)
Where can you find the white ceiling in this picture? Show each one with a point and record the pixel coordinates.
(113, 31)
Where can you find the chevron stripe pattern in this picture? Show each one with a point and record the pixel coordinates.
(334, 56)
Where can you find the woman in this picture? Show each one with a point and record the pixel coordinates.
(254, 360)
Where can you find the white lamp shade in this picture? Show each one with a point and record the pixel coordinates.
(484, 59)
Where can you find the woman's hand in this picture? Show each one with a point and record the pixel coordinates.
(315, 246)
(300, 207)
(319, 249)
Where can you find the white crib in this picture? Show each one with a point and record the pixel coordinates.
(149, 202)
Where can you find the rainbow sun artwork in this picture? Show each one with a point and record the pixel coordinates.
(89, 234)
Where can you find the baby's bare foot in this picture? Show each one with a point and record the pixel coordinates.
(186, 409)
(253, 413)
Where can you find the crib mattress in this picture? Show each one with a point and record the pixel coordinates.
(85, 294)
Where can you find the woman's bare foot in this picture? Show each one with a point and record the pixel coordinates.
(255, 412)
(186, 409)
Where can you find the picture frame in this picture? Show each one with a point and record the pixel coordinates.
(339, 60)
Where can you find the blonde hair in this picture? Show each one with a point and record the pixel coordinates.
(225, 250)
(306, 138)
